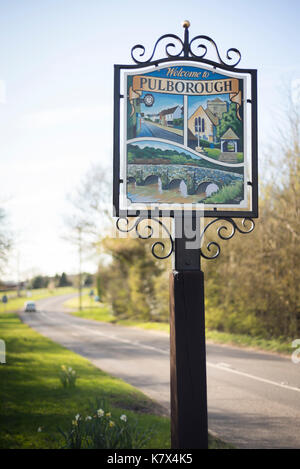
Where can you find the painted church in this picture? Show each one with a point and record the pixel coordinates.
(203, 122)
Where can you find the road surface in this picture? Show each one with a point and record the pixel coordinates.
(151, 130)
(253, 398)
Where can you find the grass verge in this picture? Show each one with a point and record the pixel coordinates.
(101, 312)
(244, 340)
(226, 194)
(32, 397)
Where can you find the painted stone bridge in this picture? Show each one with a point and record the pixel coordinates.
(196, 179)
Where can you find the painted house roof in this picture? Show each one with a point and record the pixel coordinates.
(168, 111)
(229, 135)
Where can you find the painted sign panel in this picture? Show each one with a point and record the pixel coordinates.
(185, 136)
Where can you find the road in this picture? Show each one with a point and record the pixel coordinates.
(253, 398)
(151, 130)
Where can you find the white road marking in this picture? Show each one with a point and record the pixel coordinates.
(248, 375)
(115, 338)
(224, 365)
(125, 341)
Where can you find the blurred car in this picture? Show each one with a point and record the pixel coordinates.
(30, 307)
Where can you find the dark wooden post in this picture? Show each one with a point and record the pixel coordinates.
(187, 346)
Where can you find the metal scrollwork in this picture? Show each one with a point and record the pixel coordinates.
(196, 48)
(158, 248)
(202, 45)
(225, 232)
(167, 48)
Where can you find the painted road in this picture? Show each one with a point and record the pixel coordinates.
(253, 398)
(151, 130)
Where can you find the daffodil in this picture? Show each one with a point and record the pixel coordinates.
(39, 429)
(111, 423)
(88, 417)
(77, 417)
(123, 418)
(100, 412)
(108, 414)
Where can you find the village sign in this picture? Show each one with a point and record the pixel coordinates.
(185, 146)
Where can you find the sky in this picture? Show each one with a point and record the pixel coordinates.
(56, 95)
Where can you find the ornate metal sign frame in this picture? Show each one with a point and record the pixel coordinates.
(187, 51)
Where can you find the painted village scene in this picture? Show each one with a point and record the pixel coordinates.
(184, 148)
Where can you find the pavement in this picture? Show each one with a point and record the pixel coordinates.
(253, 397)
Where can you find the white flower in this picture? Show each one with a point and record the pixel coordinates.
(73, 372)
(88, 417)
(123, 418)
(100, 412)
(70, 368)
(39, 429)
(77, 417)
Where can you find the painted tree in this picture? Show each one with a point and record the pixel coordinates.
(230, 120)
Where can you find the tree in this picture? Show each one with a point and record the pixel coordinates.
(64, 281)
(89, 216)
(5, 239)
(91, 206)
(99, 284)
(89, 280)
(56, 280)
(39, 281)
(128, 282)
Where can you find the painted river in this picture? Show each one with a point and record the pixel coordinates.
(177, 194)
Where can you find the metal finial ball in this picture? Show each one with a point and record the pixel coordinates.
(186, 24)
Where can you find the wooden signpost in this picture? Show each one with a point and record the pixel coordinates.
(185, 147)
